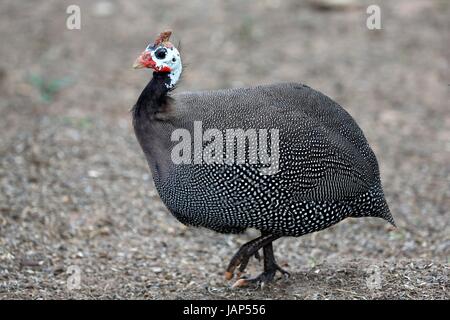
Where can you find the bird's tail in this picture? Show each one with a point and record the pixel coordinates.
(373, 204)
(385, 213)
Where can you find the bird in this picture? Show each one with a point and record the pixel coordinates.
(321, 169)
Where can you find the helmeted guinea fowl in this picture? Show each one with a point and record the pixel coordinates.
(318, 171)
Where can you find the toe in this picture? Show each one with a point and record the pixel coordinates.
(240, 283)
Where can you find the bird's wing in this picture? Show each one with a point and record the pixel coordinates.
(323, 153)
(320, 165)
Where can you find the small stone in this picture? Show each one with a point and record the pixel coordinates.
(93, 174)
(156, 270)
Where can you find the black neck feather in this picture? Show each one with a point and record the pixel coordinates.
(154, 97)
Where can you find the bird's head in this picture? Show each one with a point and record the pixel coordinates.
(161, 56)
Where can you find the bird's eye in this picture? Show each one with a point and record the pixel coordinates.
(160, 53)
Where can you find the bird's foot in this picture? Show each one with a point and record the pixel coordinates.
(240, 260)
(261, 280)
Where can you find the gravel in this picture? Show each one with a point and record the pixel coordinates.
(77, 200)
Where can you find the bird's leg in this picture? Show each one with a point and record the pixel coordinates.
(240, 259)
(270, 269)
(257, 256)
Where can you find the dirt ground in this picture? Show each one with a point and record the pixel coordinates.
(76, 194)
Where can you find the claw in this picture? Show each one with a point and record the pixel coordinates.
(228, 275)
(285, 274)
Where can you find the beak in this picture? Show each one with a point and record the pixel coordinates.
(144, 61)
(138, 63)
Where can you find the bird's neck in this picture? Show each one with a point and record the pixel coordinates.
(154, 97)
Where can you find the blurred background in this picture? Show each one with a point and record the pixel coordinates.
(75, 190)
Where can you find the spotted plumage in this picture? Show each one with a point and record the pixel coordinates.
(327, 170)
